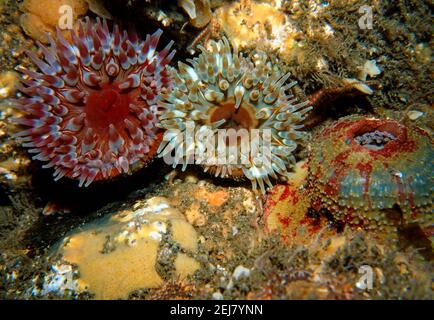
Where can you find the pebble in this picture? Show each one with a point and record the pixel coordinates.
(241, 271)
(217, 296)
(414, 114)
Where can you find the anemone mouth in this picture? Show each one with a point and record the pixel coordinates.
(242, 117)
(375, 140)
(105, 107)
(377, 134)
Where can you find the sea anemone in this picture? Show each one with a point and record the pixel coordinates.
(91, 111)
(373, 173)
(221, 89)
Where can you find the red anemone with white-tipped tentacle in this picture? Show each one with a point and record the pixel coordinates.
(91, 109)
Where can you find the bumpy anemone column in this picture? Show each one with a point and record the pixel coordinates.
(91, 111)
(373, 173)
(221, 89)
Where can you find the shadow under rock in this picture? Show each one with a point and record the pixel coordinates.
(77, 205)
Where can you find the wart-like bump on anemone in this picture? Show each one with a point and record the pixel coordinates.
(222, 89)
(91, 109)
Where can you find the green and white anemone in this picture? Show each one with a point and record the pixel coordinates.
(222, 90)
